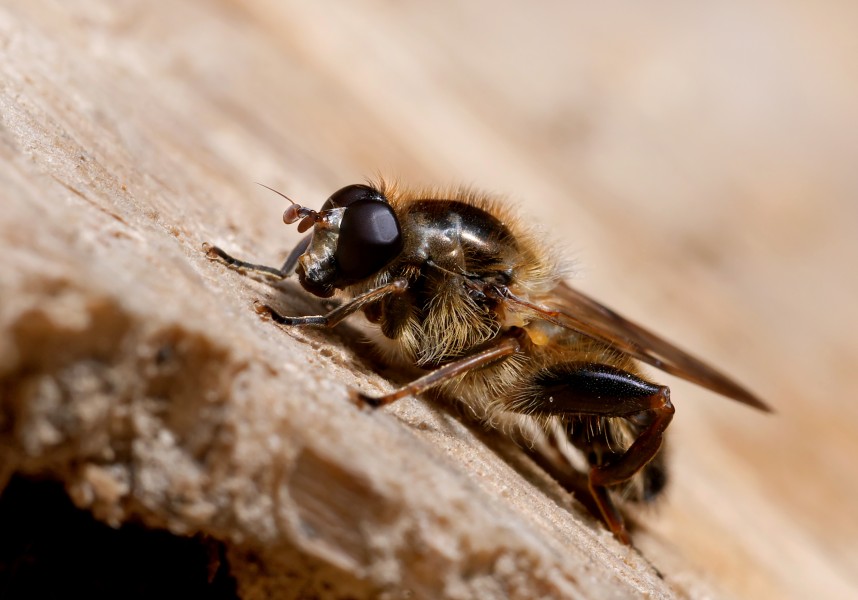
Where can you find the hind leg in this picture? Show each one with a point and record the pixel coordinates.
(590, 390)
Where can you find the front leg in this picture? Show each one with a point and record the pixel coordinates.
(397, 286)
(579, 389)
(218, 254)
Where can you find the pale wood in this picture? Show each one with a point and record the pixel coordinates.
(697, 162)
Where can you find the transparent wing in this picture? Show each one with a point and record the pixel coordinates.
(581, 313)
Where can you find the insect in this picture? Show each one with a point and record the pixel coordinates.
(462, 289)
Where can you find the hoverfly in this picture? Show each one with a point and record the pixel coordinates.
(461, 289)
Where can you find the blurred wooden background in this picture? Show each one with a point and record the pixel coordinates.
(696, 161)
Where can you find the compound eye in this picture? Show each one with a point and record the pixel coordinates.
(369, 239)
(350, 194)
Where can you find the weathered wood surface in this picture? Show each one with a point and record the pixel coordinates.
(698, 163)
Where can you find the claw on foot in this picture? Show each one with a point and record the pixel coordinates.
(361, 400)
(262, 309)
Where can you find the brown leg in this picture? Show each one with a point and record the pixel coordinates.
(504, 346)
(397, 286)
(596, 390)
(553, 461)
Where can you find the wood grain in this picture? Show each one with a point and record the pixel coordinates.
(695, 163)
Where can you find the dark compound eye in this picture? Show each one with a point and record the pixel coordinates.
(369, 238)
(350, 194)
